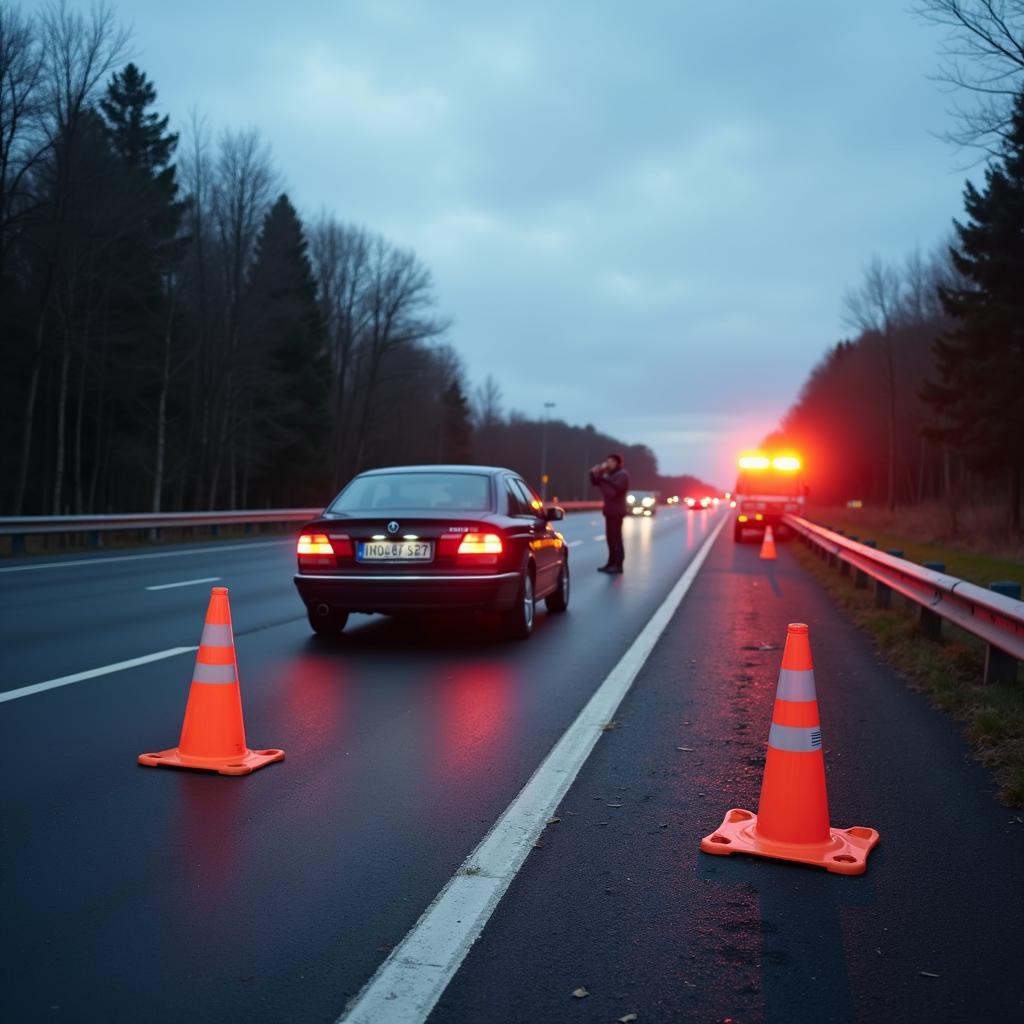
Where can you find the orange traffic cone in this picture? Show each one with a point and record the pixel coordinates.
(768, 545)
(792, 820)
(213, 733)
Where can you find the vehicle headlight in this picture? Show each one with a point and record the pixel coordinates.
(648, 502)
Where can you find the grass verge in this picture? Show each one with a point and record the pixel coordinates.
(981, 559)
(949, 672)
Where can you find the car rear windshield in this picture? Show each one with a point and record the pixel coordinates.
(416, 492)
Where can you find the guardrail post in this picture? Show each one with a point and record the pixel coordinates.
(883, 592)
(1001, 667)
(931, 624)
(860, 579)
(18, 544)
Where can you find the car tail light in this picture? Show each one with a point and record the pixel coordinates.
(319, 549)
(342, 545)
(315, 544)
(480, 544)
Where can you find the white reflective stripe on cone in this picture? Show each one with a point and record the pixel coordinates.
(794, 738)
(214, 673)
(796, 684)
(216, 636)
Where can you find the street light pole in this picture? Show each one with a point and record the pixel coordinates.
(548, 406)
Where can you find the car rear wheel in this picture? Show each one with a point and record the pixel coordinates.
(326, 623)
(518, 620)
(559, 600)
(737, 533)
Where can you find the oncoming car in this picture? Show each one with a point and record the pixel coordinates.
(433, 538)
(642, 503)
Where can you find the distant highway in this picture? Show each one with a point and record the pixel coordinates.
(135, 894)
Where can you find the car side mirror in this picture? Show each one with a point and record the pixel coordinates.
(553, 513)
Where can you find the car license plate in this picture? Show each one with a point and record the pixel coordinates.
(395, 551)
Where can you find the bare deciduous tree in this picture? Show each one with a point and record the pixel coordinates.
(22, 140)
(983, 54)
(244, 186)
(874, 309)
(77, 54)
(487, 404)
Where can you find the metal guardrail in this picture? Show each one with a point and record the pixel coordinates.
(20, 527)
(991, 616)
(24, 525)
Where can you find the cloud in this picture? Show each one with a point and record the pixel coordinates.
(647, 213)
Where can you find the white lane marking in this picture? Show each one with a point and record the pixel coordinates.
(574, 543)
(185, 583)
(219, 549)
(600, 536)
(92, 673)
(410, 981)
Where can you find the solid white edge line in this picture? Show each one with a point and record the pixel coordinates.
(574, 543)
(215, 548)
(185, 583)
(407, 985)
(92, 673)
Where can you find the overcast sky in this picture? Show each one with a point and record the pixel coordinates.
(644, 212)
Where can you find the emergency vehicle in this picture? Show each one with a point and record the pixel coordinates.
(769, 486)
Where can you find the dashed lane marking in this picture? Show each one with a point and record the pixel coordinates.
(574, 543)
(185, 583)
(406, 987)
(92, 673)
(212, 549)
(600, 536)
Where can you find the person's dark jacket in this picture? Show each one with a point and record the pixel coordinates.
(614, 486)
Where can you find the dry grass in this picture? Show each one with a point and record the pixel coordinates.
(980, 529)
(906, 531)
(950, 673)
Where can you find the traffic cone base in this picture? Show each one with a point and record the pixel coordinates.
(241, 764)
(845, 852)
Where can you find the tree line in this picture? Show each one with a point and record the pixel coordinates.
(926, 401)
(174, 335)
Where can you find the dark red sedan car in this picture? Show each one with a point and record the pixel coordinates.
(433, 538)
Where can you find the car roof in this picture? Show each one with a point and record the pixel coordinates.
(438, 468)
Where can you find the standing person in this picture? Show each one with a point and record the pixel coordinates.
(613, 481)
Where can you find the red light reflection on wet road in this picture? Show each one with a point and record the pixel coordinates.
(472, 704)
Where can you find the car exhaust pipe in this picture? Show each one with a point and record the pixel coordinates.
(323, 610)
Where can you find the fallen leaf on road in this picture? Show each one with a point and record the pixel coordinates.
(691, 749)
(628, 1019)
(580, 993)
(553, 821)
(608, 726)
(613, 805)
(927, 974)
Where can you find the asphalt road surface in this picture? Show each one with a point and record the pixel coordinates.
(145, 894)
(136, 894)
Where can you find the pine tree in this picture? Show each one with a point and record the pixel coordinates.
(456, 425)
(287, 374)
(141, 139)
(146, 295)
(980, 360)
